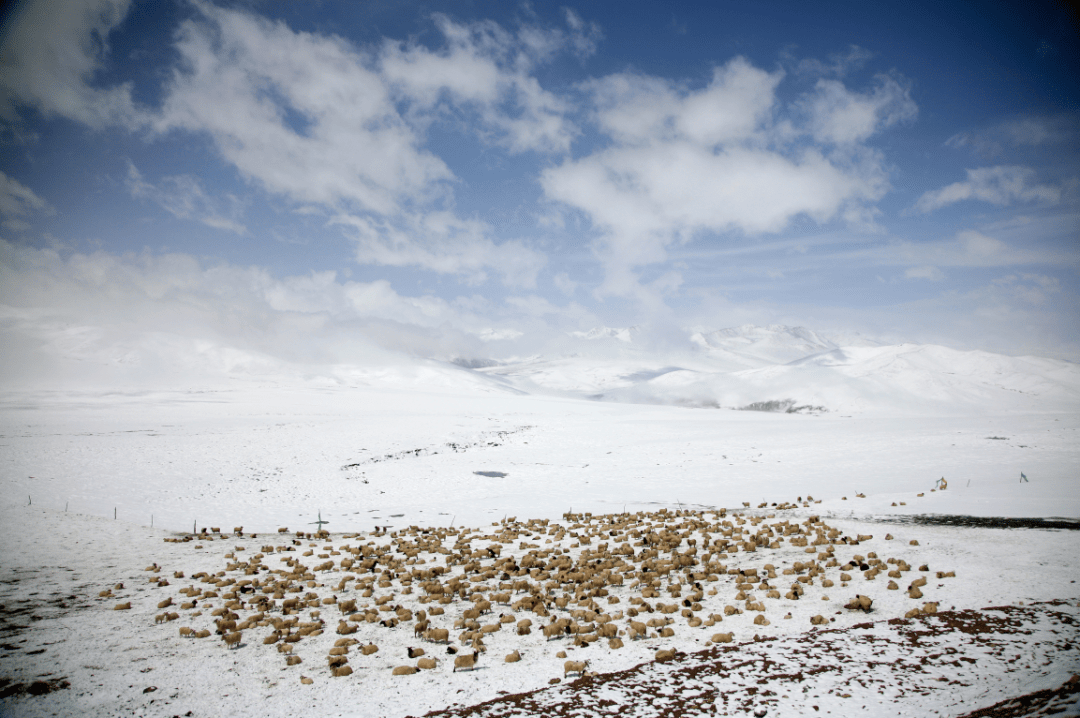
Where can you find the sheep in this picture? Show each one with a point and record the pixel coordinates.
(292, 660)
(512, 657)
(817, 620)
(122, 606)
(166, 603)
(339, 651)
(341, 671)
(285, 648)
(232, 640)
(437, 635)
(202, 634)
(186, 632)
(575, 667)
(722, 637)
(427, 663)
(405, 670)
(369, 649)
(467, 660)
(336, 661)
(415, 652)
(665, 654)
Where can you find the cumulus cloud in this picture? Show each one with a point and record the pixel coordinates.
(486, 68)
(17, 202)
(183, 197)
(1001, 185)
(49, 55)
(839, 115)
(683, 162)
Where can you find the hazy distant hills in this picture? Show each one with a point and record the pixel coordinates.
(777, 368)
(798, 370)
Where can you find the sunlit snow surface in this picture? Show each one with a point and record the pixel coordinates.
(403, 448)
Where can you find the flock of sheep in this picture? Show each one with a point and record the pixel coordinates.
(587, 580)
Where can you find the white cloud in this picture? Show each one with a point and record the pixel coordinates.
(300, 114)
(841, 116)
(183, 197)
(486, 68)
(565, 284)
(1001, 185)
(49, 55)
(17, 202)
(444, 243)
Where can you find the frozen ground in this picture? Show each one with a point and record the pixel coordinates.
(265, 457)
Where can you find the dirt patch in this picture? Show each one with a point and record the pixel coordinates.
(10, 689)
(981, 522)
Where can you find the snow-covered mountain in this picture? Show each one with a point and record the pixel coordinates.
(774, 367)
(796, 369)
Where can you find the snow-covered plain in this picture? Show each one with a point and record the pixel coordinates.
(402, 446)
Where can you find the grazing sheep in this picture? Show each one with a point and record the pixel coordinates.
(427, 663)
(467, 660)
(405, 670)
(665, 654)
(575, 667)
(232, 640)
(186, 632)
(437, 635)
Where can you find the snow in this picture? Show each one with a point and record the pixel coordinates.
(423, 443)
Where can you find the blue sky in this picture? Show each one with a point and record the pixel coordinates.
(482, 178)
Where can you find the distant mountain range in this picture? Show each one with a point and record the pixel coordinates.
(797, 370)
(771, 368)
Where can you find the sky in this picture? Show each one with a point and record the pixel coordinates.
(327, 181)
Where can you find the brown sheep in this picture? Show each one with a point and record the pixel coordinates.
(513, 657)
(232, 640)
(369, 649)
(427, 663)
(341, 671)
(405, 670)
(437, 635)
(415, 652)
(722, 637)
(122, 606)
(575, 667)
(467, 660)
(292, 660)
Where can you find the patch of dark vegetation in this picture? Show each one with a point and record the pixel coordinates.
(786, 406)
(1047, 702)
(982, 522)
(998, 438)
(10, 689)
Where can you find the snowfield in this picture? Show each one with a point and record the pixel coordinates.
(480, 479)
